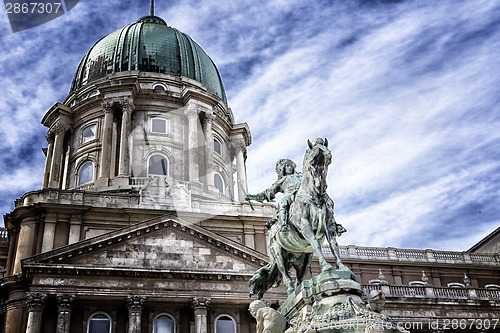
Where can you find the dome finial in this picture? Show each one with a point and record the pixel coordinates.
(152, 11)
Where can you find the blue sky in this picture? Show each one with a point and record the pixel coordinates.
(407, 92)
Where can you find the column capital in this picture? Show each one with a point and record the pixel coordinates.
(200, 303)
(59, 128)
(108, 105)
(135, 303)
(64, 302)
(192, 111)
(127, 104)
(210, 116)
(50, 138)
(239, 146)
(35, 301)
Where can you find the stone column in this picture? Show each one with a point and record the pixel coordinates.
(106, 140)
(241, 173)
(135, 304)
(24, 243)
(49, 232)
(35, 302)
(124, 162)
(200, 307)
(48, 161)
(193, 165)
(209, 148)
(57, 157)
(64, 312)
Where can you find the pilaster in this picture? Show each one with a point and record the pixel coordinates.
(124, 160)
(64, 303)
(48, 160)
(209, 148)
(59, 132)
(200, 306)
(35, 302)
(106, 142)
(135, 305)
(192, 114)
(241, 173)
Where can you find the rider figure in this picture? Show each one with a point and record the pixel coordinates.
(288, 183)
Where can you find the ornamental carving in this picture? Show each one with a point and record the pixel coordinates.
(50, 138)
(135, 303)
(127, 104)
(108, 105)
(201, 303)
(59, 128)
(192, 111)
(64, 302)
(35, 301)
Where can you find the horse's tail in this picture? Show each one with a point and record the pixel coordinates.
(265, 278)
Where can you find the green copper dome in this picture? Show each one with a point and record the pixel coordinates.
(149, 45)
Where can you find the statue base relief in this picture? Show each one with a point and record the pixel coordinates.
(333, 302)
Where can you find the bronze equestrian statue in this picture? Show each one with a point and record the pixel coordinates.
(305, 218)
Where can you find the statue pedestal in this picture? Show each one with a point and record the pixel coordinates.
(332, 302)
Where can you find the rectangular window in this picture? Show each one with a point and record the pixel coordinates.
(217, 147)
(159, 125)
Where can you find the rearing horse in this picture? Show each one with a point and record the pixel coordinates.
(311, 220)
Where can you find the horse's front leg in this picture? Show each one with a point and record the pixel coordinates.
(310, 236)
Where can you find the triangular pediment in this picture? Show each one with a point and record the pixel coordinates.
(166, 246)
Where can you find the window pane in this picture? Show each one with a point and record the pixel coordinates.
(88, 133)
(99, 324)
(159, 125)
(164, 324)
(158, 165)
(217, 147)
(218, 183)
(224, 325)
(86, 173)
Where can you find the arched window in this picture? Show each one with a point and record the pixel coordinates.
(93, 93)
(456, 285)
(99, 322)
(164, 323)
(375, 282)
(217, 147)
(158, 165)
(417, 283)
(492, 286)
(88, 133)
(159, 87)
(225, 324)
(219, 184)
(85, 173)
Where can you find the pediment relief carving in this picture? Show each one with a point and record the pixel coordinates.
(166, 247)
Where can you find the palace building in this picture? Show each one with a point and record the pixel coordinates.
(141, 224)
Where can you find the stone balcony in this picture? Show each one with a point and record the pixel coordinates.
(417, 256)
(435, 292)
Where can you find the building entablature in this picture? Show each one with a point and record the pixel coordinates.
(133, 199)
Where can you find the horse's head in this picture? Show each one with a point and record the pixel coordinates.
(316, 161)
